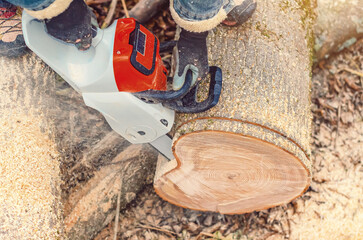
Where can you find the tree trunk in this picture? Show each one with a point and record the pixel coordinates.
(251, 151)
(338, 25)
(94, 162)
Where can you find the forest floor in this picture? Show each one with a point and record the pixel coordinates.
(332, 208)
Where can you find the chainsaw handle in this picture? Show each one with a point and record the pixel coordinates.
(167, 46)
(189, 104)
(156, 96)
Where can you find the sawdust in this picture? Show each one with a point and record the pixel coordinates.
(29, 180)
(29, 163)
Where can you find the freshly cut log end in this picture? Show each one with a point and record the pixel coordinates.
(230, 173)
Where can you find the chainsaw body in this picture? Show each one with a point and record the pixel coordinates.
(122, 76)
(92, 74)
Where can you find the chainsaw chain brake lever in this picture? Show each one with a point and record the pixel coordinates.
(167, 46)
(185, 99)
(156, 96)
(189, 103)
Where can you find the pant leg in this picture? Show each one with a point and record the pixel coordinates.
(200, 15)
(5, 4)
(30, 4)
(41, 9)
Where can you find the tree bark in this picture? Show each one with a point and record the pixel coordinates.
(93, 161)
(251, 151)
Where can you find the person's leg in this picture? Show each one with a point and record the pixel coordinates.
(241, 13)
(11, 38)
(198, 15)
(5, 4)
(42, 9)
(204, 15)
(31, 4)
(67, 20)
(12, 42)
(196, 18)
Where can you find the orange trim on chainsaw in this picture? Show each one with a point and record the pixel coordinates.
(136, 61)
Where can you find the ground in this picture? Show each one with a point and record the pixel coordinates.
(331, 208)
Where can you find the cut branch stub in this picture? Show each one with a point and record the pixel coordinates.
(251, 151)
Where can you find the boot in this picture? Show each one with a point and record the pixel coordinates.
(12, 42)
(241, 13)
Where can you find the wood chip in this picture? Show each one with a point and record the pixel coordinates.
(351, 83)
(177, 228)
(352, 71)
(193, 227)
(347, 117)
(208, 220)
(213, 228)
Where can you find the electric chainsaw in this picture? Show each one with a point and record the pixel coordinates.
(123, 77)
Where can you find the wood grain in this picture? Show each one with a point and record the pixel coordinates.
(235, 173)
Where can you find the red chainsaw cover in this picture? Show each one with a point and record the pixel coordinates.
(136, 61)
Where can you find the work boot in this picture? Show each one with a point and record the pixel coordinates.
(75, 25)
(241, 13)
(12, 42)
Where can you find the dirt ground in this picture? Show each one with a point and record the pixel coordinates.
(332, 208)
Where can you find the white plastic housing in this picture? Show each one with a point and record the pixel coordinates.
(91, 73)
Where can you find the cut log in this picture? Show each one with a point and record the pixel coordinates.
(251, 151)
(75, 148)
(92, 207)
